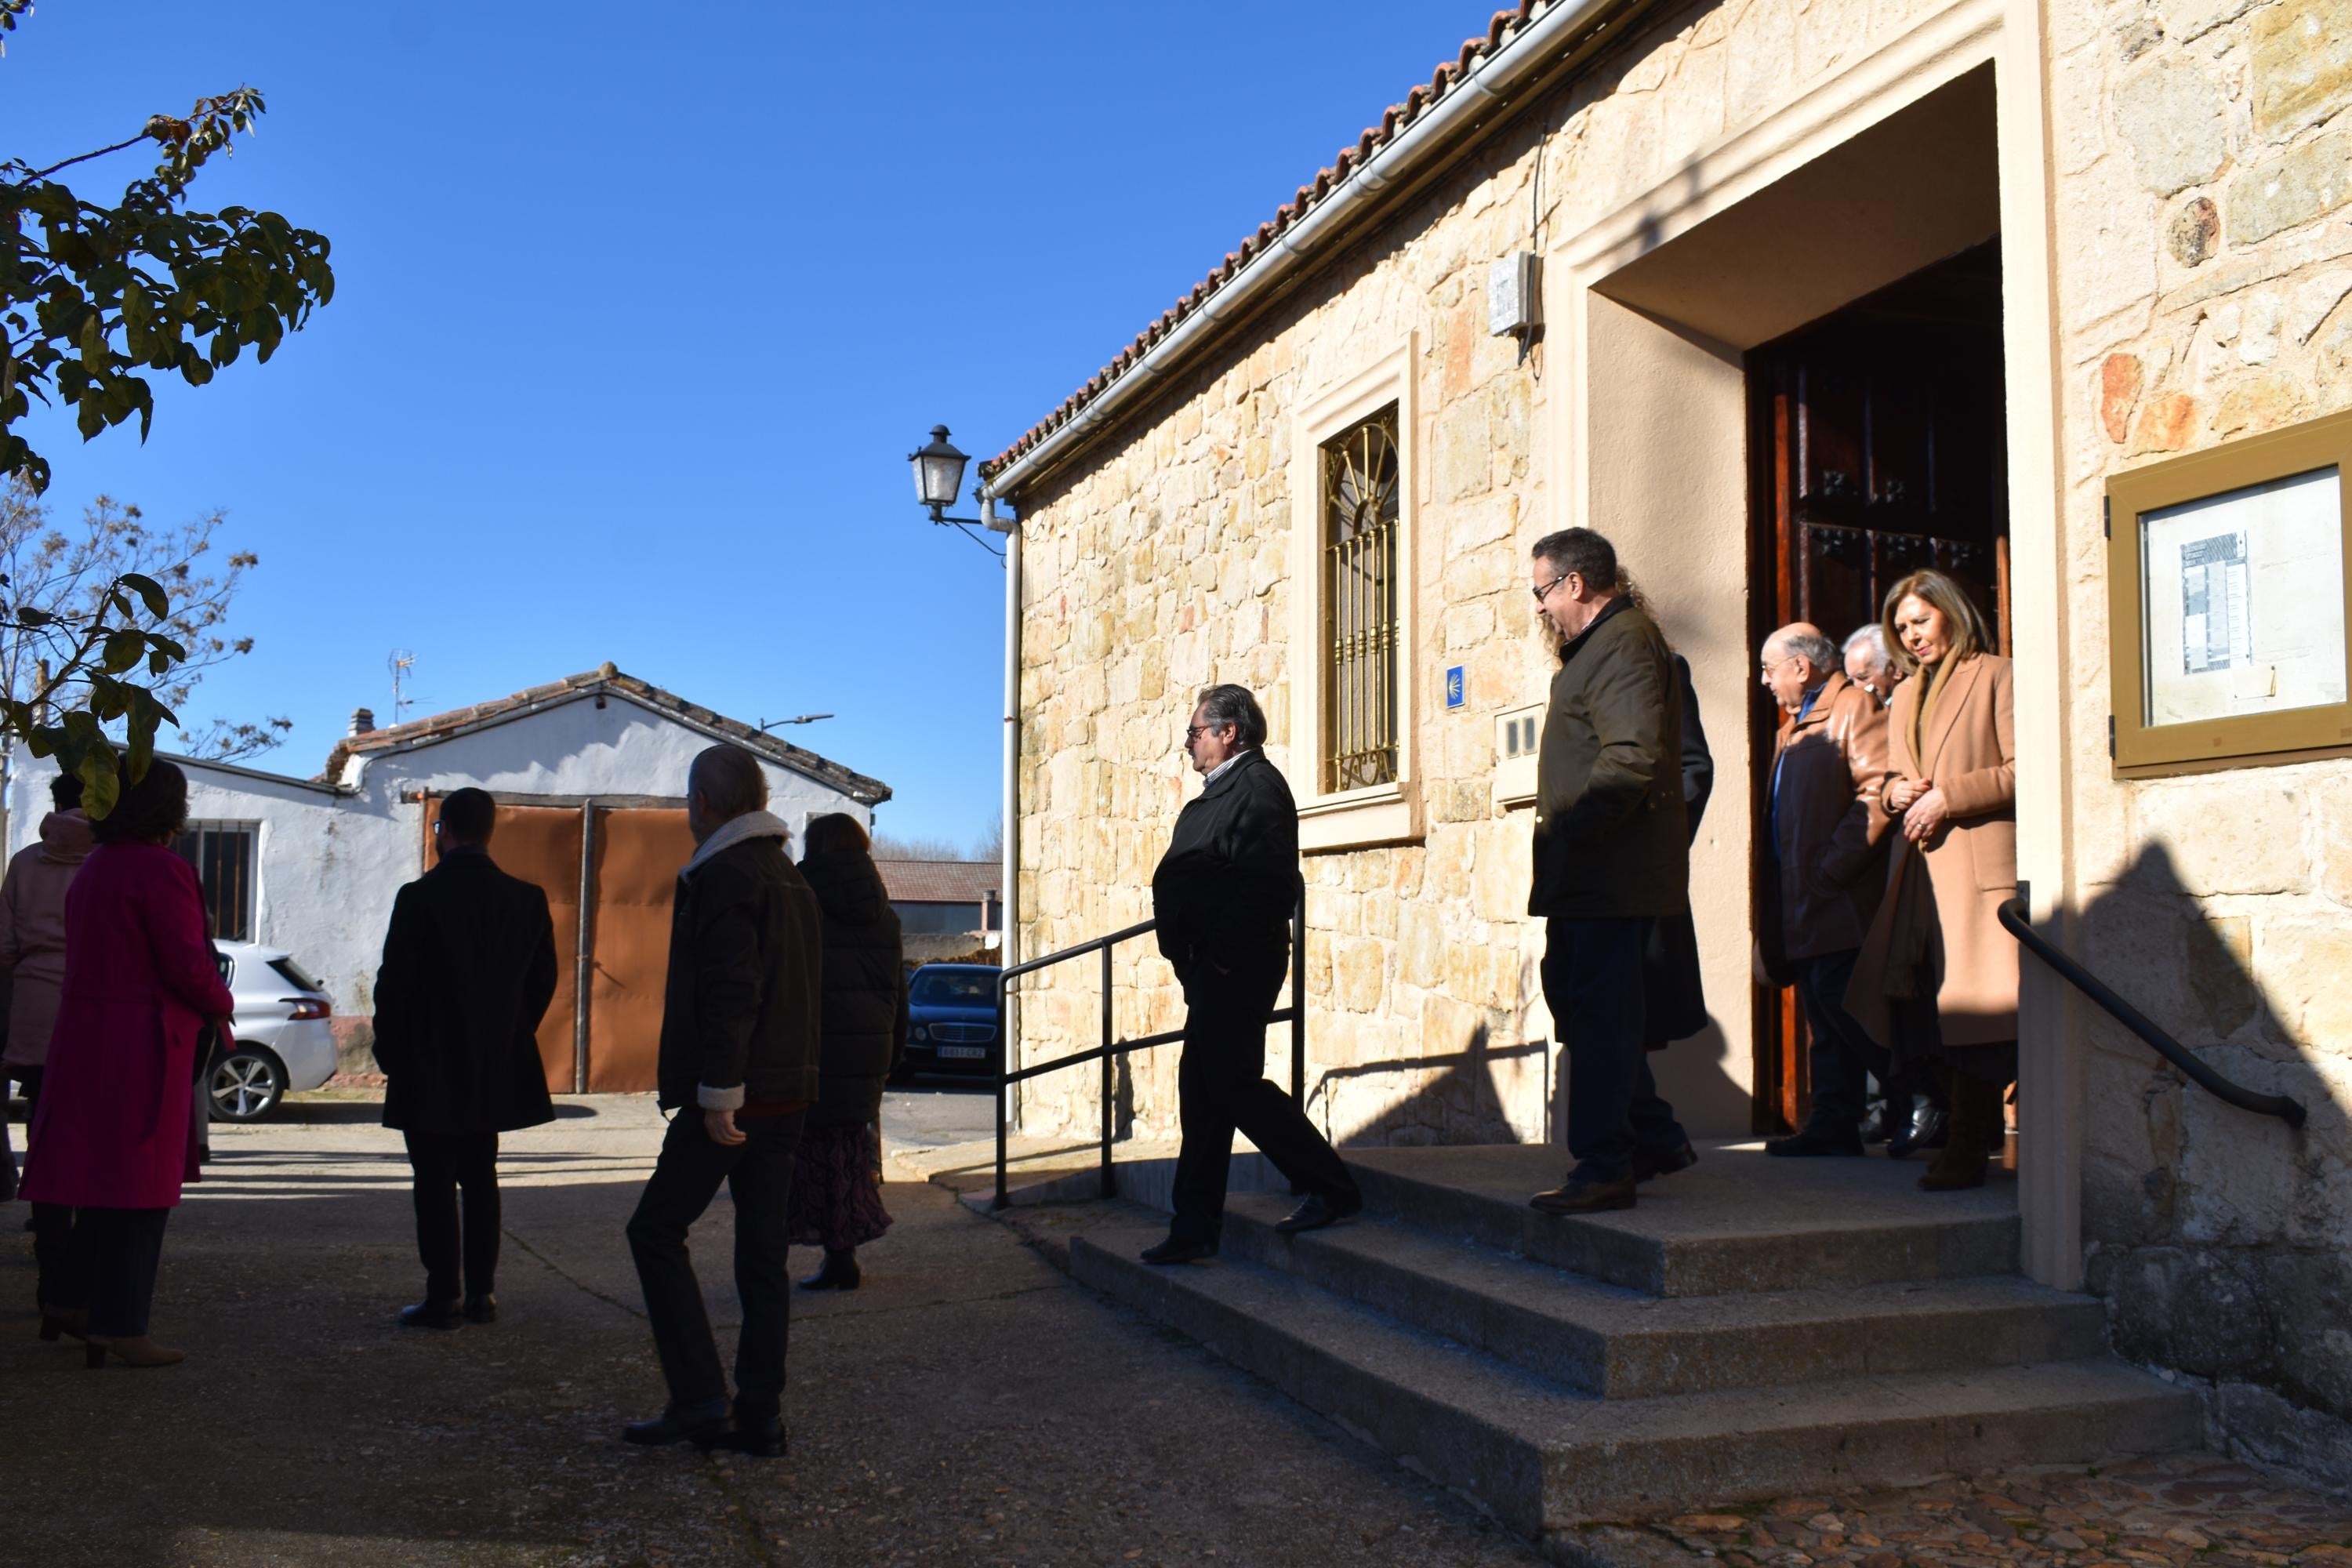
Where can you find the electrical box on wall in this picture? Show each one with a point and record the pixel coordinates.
(1511, 295)
(1517, 736)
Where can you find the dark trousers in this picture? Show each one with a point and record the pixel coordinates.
(440, 1163)
(51, 1224)
(1222, 1088)
(1844, 1055)
(758, 1173)
(110, 1263)
(1592, 982)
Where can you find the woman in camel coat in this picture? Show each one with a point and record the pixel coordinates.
(111, 1137)
(1937, 978)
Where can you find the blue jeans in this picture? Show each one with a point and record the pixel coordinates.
(1593, 981)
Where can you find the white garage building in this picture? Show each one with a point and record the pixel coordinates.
(589, 776)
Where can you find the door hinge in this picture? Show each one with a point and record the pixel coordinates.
(2111, 737)
(2107, 516)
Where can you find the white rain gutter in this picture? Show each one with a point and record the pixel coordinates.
(1008, 892)
(1491, 80)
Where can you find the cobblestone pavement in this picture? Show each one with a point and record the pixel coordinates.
(2137, 1513)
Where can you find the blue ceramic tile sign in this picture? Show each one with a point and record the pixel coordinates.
(1454, 686)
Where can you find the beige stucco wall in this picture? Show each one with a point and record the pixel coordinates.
(1161, 562)
(2203, 166)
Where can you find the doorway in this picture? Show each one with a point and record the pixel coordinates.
(1877, 436)
(602, 1030)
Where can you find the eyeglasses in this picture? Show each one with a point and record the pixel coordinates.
(1772, 663)
(1545, 591)
(1194, 732)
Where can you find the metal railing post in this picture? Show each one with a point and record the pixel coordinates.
(1004, 1084)
(1298, 1001)
(1109, 1186)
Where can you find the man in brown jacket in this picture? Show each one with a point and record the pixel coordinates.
(1827, 841)
(1611, 860)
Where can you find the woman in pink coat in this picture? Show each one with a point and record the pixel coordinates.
(110, 1137)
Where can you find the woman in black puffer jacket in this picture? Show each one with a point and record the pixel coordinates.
(837, 1199)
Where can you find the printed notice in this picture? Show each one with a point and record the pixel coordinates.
(2215, 633)
(2244, 601)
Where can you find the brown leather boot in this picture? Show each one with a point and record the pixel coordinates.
(132, 1351)
(1976, 1132)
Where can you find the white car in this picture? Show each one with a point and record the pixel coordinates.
(284, 1042)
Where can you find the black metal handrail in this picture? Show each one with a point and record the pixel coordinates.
(1295, 1016)
(2013, 919)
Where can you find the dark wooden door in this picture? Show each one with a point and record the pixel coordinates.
(1878, 440)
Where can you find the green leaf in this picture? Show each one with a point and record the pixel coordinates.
(159, 603)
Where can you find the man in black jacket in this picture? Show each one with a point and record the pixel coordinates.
(1611, 860)
(739, 1064)
(1223, 898)
(469, 970)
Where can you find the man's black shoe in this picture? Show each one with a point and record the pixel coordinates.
(481, 1309)
(1577, 1195)
(704, 1425)
(1929, 1129)
(1647, 1164)
(1810, 1144)
(1318, 1211)
(760, 1437)
(1177, 1249)
(1879, 1126)
(432, 1315)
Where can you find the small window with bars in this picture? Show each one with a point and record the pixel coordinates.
(1360, 483)
(223, 854)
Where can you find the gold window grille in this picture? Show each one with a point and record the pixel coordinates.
(1360, 477)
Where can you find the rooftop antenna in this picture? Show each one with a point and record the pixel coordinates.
(400, 661)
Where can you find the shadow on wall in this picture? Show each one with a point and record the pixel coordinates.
(1462, 1104)
(2222, 1239)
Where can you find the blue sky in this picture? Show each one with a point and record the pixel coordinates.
(639, 309)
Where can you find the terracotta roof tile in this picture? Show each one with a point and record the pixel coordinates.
(940, 881)
(1499, 31)
(418, 732)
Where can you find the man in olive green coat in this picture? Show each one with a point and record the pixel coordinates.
(1611, 857)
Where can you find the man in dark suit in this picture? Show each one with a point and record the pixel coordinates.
(1223, 897)
(469, 970)
(1611, 860)
(738, 1063)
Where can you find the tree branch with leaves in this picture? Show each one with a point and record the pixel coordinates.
(94, 297)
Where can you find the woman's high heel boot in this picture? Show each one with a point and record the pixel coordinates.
(1976, 1132)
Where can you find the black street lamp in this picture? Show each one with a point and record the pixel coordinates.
(938, 474)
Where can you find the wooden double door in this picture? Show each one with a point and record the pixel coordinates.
(1878, 438)
(608, 870)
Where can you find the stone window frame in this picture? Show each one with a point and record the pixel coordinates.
(1380, 814)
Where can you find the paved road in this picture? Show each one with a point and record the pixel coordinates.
(968, 1405)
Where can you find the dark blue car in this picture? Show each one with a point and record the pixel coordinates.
(952, 1020)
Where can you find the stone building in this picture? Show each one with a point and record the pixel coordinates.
(1827, 288)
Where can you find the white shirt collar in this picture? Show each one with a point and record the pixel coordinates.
(1213, 774)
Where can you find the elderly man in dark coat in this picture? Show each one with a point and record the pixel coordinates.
(1827, 839)
(738, 1063)
(1611, 858)
(468, 971)
(1221, 897)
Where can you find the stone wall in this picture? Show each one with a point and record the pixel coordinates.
(2204, 252)
(1159, 564)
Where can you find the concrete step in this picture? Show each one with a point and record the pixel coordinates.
(1737, 1222)
(1623, 1344)
(1544, 1457)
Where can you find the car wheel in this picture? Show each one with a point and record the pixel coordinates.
(246, 1085)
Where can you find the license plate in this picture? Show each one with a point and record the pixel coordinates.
(962, 1053)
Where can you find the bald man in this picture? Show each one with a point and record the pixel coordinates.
(1827, 839)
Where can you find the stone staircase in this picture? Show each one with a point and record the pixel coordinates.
(1755, 1329)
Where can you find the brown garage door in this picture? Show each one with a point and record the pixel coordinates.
(637, 853)
(541, 844)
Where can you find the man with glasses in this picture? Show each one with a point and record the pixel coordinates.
(1611, 858)
(1221, 897)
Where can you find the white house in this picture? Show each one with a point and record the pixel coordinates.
(590, 777)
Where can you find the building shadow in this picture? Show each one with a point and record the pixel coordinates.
(2217, 1234)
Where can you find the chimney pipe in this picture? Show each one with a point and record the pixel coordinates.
(363, 720)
